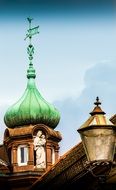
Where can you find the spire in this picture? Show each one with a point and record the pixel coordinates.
(30, 49)
(31, 108)
(97, 109)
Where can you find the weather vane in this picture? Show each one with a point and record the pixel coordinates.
(31, 32)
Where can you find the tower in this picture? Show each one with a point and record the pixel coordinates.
(30, 138)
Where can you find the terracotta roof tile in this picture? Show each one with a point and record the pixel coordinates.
(113, 119)
(65, 162)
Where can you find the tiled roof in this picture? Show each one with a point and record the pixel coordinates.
(113, 119)
(70, 166)
(65, 162)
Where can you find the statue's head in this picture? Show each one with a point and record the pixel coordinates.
(39, 133)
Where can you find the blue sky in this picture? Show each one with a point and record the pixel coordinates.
(75, 58)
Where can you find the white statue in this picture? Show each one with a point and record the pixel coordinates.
(39, 147)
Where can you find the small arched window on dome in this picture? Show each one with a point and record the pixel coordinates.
(22, 155)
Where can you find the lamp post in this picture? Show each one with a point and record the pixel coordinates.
(98, 136)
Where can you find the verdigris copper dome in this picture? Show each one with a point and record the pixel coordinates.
(31, 108)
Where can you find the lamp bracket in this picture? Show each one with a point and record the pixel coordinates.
(91, 165)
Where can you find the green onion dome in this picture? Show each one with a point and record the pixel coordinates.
(31, 107)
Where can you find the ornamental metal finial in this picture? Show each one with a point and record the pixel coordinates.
(30, 49)
(97, 103)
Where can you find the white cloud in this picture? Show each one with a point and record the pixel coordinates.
(99, 81)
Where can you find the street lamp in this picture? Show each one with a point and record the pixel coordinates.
(98, 136)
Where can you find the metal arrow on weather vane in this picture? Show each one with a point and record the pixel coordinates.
(31, 31)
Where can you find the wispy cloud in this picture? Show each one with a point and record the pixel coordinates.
(99, 81)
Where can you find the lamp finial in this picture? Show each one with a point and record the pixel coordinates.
(97, 103)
